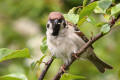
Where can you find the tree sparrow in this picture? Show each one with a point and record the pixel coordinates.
(65, 39)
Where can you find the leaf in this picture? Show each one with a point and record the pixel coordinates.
(67, 76)
(119, 74)
(43, 46)
(91, 20)
(72, 18)
(100, 24)
(115, 10)
(72, 11)
(84, 2)
(87, 10)
(16, 76)
(33, 64)
(117, 23)
(41, 59)
(6, 54)
(103, 5)
(105, 28)
(107, 17)
(80, 22)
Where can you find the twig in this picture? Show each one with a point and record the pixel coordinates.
(46, 69)
(57, 77)
(83, 49)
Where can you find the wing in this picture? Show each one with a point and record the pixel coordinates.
(78, 32)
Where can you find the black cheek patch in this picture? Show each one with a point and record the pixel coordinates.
(56, 30)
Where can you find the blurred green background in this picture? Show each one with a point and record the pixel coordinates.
(23, 24)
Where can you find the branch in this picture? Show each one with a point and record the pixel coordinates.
(57, 77)
(83, 49)
(46, 69)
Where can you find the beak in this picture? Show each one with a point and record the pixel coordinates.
(56, 27)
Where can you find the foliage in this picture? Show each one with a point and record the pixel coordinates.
(103, 5)
(89, 18)
(87, 10)
(72, 18)
(115, 10)
(43, 46)
(105, 28)
(6, 54)
(68, 76)
(16, 76)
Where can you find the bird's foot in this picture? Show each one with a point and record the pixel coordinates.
(74, 55)
(63, 68)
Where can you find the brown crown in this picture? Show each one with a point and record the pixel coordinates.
(55, 15)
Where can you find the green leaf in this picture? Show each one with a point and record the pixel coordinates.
(86, 11)
(80, 22)
(72, 18)
(16, 76)
(41, 59)
(33, 65)
(6, 54)
(100, 24)
(72, 11)
(84, 2)
(67, 76)
(107, 17)
(119, 74)
(91, 20)
(103, 5)
(117, 23)
(115, 10)
(105, 28)
(43, 46)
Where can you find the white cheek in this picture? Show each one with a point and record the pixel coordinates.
(50, 30)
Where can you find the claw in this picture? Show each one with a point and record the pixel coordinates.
(74, 55)
(63, 68)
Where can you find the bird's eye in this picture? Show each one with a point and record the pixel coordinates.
(48, 25)
(60, 20)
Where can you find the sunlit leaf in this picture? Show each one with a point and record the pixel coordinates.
(43, 46)
(103, 5)
(72, 11)
(6, 54)
(72, 18)
(80, 22)
(91, 20)
(105, 28)
(107, 17)
(117, 23)
(100, 24)
(115, 10)
(16, 76)
(67, 76)
(86, 11)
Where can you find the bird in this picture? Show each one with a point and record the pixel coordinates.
(64, 39)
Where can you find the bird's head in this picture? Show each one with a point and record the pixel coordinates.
(56, 23)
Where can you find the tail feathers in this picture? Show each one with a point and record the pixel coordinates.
(101, 66)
